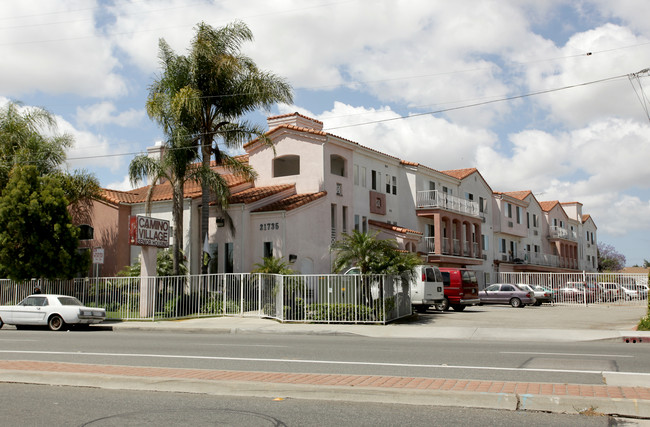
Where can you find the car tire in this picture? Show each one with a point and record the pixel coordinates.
(458, 307)
(1, 323)
(443, 306)
(515, 302)
(55, 323)
(538, 303)
(421, 308)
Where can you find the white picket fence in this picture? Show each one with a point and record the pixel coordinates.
(324, 298)
(586, 288)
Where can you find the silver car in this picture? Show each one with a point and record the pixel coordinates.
(505, 293)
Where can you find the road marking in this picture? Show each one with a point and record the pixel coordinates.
(566, 354)
(315, 362)
(243, 345)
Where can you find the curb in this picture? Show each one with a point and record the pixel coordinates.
(500, 401)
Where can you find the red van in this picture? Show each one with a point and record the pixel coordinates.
(461, 289)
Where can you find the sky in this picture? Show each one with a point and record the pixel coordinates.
(545, 96)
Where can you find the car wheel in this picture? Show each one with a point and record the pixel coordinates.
(1, 323)
(55, 323)
(515, 302)
(538, 303)
(443, 306)
(458, 307)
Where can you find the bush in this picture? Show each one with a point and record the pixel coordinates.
(340, 312)
(644, 324)
(214, 305)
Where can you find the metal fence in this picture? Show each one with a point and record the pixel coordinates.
(292, 298)
(586, 288)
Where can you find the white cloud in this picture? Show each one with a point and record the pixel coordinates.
(123, 185)
(104, 113)
(54, 47)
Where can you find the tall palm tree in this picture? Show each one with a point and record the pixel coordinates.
(176, 165)
(210, 90)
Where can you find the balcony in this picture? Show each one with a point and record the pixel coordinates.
(452, 247)
(434, 199)
(555, 232)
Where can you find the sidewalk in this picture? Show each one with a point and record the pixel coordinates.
(508, 395)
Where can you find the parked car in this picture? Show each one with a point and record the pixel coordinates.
(578, 291)
(610, 291)
(505, 293)
(552, 294)
(426, 287)
(635, 292)
(55, 311)
(541, 295)
(461, 289)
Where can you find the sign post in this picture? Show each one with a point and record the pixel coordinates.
(149, 233)
(98, 258)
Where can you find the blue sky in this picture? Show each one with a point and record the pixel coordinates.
(354, 63)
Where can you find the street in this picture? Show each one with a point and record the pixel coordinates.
(580, 363)
(75, 406)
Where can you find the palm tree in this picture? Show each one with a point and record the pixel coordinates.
(209, 91)
(176, 165)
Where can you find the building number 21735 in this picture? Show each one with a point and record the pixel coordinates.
(270, 226)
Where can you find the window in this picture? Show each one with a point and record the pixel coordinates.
(432, 186)
(286, 166)
(268, 249)
(356, 222)
(520, 213)
(86, 232)
(431, 230)
(387, 184)
(535, 221)
(337, 165)
(333, 220)
(394, 185)
(554, 222)
(373, 180)
(229, 259)
(469, 196)
(536, 249)
(363, 176)
(356, 174)
(484, 242)
(364, 225)
(502, 246)
(344, 219)
(482, 205)
(508, 210)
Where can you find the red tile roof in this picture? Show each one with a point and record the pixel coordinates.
(254, 194)
(162, 191)
(282, 116)
(392, 227)
(520, 195)
(460, 173)
(291, 202)
(548, 206)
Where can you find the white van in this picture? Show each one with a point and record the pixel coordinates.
(426, 287)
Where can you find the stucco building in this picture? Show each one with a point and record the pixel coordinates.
(313, 186)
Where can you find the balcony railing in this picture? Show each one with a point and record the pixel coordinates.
(437, 199)
(556, 232)
(430, 244)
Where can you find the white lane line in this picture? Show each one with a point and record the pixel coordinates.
(242, 345)
(566, 354)
(315, 362)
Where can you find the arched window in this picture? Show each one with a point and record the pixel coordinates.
(337, 165)
(286, 166)
(86, 232)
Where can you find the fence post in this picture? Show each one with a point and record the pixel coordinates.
(259, 295)
(584, 288)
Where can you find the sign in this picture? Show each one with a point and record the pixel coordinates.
(148, 231)
(98, 255)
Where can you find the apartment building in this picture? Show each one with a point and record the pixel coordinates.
(313, 187)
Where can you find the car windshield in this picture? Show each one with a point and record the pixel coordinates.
(69, 301)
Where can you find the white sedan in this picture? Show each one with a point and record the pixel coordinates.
(55, 311)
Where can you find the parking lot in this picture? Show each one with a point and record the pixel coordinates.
(594, 316)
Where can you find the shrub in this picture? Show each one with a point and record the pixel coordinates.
(214, 305)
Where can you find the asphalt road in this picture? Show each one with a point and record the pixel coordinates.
(24, 404)
(508, 361)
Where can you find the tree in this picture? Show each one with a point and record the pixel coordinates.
(210, 90)
(371, 255)
(609, 259)
(646, 263)
(272, 265)
(164, 266)
(37, 237)
(176, 165)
